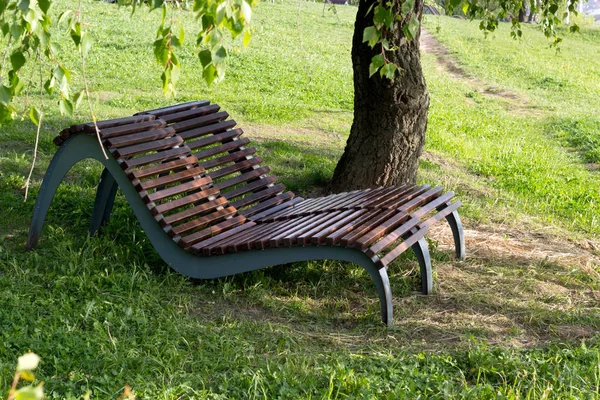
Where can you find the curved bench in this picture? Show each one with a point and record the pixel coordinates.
(202, 198)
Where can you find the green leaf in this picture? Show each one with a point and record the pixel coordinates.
(408, 6)
(219, 56)
(247, 37)
(371, 35)
(24, 5)
(87, 41)
(64, 16)
(78, 98)
(205, 57)
(28, 375)
(465, 8)
(17, 60)
(388, 71)
(376, 63)
(411, 29)
(209, 74)
(49, 85)
(5, 95)
(66, 107)
(383, 17)
(29, 393)
(16, 30)
(161, 51)
(246, 11)
(181, 34)
(44, 5)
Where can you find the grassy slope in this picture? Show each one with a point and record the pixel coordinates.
(106, 311)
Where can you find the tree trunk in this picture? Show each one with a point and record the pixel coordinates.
(390, 117)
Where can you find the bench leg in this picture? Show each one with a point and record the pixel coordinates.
(105, 199)
(421, 250)
(458, 234)
(382, 283)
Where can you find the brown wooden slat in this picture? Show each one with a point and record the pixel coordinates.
(187, 200)
(162, 144)
(297, 210)
(199, 121)
(189, 240)
(160, 156)
(250, 187)
(336, 236)
(275, 238)
(219, 173)
(319, 220)
(141, 137)
(318, 238)
(359, 231)
(175, 190)
(202, 222)
(236, 156)
(195, 211)
(374, 201)
(176, 108)
(441, 214)
(208, 246)
(276, 205)
(227, 147)
(422, 199)
(109, 123)
(364, 241)
(331, 220)
(394, 235)
(446, 197)
(241, 241)
(405, 198)
(171, 178)
(236, 180)
(374, 194)
(258, 196)
(191, 113)
(402, 191)
(210, 140)
(402, 247)
(353, 199)
(266, 204)
(207, 130)
(108, 133)
(162, 168)
(335, 205)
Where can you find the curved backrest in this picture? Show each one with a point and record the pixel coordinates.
(191, 167)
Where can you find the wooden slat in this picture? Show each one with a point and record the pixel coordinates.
(441, 214)
(185, 201)
(176, 108)
(175, 190)
(191, 113)
(236, 180)
(421, 199)
(353, 199)
(162, 168)
(231, 157)
(446, 197)
(275, 238)
(207, 130)
(336, 236)
(395, 235)
(258, 196)
(319, 238)
(141, 137)
(199, 121)
(250, 187)
(219, 173)
(202, 222)
(128, 129)
(375, 201)
(276, 205)
(109, 123)
(171, 178)
(408, 242)
(364, 241)
(208, 246)
(319, 220)
(162, 144)
(331, 220)
(189, 240)
(227, 147)
(405, 198)
(210, 140)
(195, 211)
(160, 156)
(359, 231)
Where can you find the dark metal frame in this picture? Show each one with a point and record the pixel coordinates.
(79, 147)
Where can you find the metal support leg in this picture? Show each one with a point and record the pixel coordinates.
(458, 234)
(105, 199)
(421, 250)
(382, 283)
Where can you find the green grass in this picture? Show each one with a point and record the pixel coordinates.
(518, 319)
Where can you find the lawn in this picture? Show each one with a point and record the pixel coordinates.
(514, 129)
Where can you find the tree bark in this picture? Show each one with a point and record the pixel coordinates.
(390, 117)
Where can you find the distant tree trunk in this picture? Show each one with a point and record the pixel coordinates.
(390, 117)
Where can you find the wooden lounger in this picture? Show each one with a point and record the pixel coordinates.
(203, 198)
